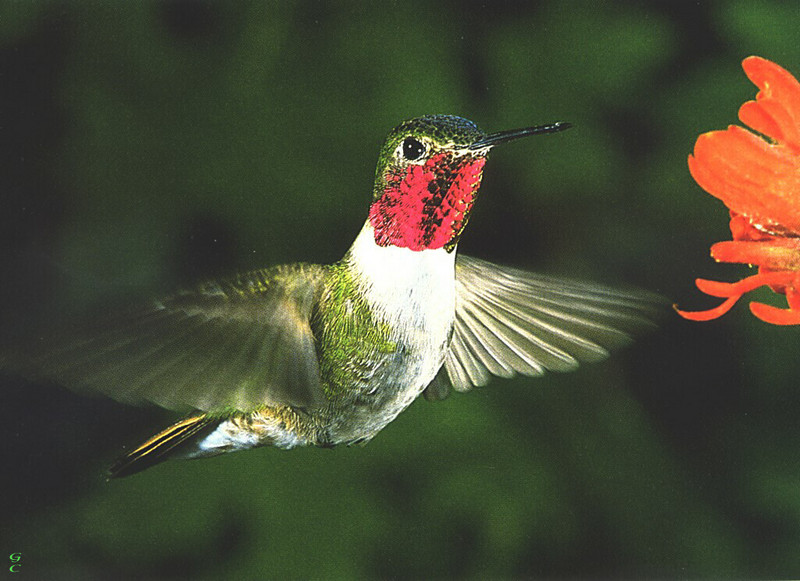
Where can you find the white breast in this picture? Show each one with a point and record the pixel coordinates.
(412, 291)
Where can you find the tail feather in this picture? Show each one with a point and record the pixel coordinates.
(163, 445)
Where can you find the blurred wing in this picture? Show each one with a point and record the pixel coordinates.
(509, 321)
(236, 344)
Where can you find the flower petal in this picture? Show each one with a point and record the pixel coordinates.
(743, 229)
(755, 115)
(709, 314)
(775, 254)
(793, 296)
(758, 179)
(728, 289)
(779, 86)
(770, 118)
(774, 315)
(752, 177)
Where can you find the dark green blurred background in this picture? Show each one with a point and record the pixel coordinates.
(145, 145)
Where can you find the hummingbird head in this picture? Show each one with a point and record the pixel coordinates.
(428, 175)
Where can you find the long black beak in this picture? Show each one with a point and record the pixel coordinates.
(503, 136)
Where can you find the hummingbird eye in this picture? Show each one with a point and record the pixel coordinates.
(412, 149)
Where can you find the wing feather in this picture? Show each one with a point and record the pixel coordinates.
(510, 321)
(236, 344)
(481, 341)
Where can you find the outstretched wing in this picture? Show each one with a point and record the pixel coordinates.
(236, 344)
(510, 321)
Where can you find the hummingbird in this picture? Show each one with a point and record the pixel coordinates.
(323, 355)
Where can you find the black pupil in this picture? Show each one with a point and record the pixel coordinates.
(412, 149)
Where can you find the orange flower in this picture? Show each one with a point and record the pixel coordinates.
(758, 179)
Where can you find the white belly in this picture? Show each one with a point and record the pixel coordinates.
(413, 292)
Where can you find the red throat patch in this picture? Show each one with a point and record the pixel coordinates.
(427, 206)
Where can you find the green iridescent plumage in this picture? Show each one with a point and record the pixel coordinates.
(350, 340)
